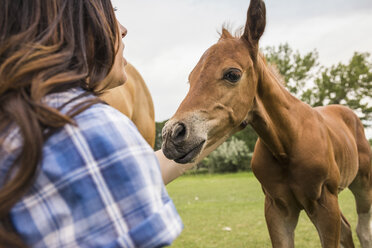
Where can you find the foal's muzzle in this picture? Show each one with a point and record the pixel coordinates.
(180, 142)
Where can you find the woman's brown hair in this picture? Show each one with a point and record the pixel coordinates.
(46, 46)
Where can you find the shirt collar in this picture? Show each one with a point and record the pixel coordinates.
(65, 100)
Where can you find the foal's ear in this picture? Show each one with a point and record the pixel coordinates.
(225, 34)
(255, 25)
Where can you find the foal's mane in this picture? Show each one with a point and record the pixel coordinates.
(275, 71)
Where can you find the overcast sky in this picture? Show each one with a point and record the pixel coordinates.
(167, 37)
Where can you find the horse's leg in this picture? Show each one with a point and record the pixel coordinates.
(326, 216)
(346, 235)
(281, 219)
(361, 188)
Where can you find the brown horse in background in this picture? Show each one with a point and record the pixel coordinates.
(134, 100)
(304, 156)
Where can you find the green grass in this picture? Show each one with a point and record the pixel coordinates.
(208, 204)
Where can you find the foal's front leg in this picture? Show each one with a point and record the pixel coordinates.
(281, 219)
(326, 216)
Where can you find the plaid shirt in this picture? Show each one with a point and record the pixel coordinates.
(99, 185)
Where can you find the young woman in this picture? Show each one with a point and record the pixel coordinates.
(73, 171)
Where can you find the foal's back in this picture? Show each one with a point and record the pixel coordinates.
(350, 147)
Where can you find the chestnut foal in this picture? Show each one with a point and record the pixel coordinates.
(304, 156)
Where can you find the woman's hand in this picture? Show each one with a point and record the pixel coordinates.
(170, 170)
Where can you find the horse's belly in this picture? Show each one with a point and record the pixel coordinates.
(348, 167)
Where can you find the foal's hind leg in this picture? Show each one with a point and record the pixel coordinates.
(361, 188)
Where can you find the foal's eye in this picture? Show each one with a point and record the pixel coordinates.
(232, 75)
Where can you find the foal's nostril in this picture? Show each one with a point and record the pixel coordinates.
(179, 132)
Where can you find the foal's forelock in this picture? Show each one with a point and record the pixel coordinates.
(227, 29)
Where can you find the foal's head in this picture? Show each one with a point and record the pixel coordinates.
(222, 89)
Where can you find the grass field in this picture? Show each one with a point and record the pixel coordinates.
(227, 211)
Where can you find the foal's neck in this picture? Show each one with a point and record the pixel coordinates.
(272, 114)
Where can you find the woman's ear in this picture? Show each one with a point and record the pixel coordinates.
(255, 25)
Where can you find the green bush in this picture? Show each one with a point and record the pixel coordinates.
(232, 156)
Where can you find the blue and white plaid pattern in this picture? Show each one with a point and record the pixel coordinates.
(99, 186)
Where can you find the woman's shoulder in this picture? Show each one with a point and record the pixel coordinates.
(99, 130)
(99, 118)
(101, 136)
(105, 130)
(102, 118)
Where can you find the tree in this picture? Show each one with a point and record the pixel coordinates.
(296, 69)
(231, 156)
(347, 84)
(158, 139)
